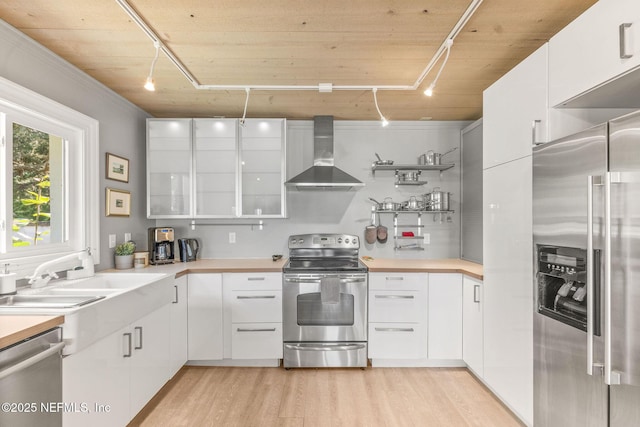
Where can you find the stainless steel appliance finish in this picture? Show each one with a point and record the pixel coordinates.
(161, 245)
(586, 191)
(325, 302)
(323, 175)
(188, 249)
(31, 381)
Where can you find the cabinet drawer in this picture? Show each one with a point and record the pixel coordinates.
(256, 341)
(398, 281)
(396, 306)
(397, 341)
(253, 281)
(256, 306)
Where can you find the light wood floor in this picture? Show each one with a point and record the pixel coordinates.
(217, 396)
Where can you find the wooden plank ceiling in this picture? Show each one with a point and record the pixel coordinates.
(295, 42)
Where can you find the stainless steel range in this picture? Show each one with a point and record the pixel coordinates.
(324, 302)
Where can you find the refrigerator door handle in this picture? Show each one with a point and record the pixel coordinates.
(610, 377)
(590, 271)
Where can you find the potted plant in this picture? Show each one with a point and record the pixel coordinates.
(124, 255)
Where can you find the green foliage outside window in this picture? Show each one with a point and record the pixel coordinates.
(31, 185)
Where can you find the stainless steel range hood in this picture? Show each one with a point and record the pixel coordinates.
(323, 175)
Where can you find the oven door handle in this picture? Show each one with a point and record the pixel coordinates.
(304, 347)
(319, 279)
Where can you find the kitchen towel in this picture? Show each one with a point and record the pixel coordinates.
(330, 290)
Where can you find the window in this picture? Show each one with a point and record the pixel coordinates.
(49, 159)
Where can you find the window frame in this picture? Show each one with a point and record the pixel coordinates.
(81, 177)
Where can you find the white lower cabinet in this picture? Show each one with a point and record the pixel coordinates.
(150, 359)
(472, 325)
(178, 329)
(253, 310)
(397, 317)
(445, 316)
(111, 380)
(397, 341)
(256, 341)
(205, 325)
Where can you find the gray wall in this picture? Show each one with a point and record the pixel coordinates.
(349, 212)
(122, 125)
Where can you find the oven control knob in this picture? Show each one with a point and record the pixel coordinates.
(339, 239)
(301, 241)
(346, 241)
(354, 241)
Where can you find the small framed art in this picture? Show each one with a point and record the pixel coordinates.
(117, 168)
(118, 202)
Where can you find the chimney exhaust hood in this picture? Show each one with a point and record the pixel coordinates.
(323, 175)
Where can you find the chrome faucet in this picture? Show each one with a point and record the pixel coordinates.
(86, 268)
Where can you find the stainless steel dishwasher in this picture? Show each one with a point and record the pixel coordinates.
(31, 381)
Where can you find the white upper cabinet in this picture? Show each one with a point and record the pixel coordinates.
(515, 111)
(216, 166)
(601, 44)
(231, 170)
(169, 168)
(262, 165)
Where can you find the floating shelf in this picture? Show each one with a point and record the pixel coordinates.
(411, 182)
(414, 212)
(444, 167)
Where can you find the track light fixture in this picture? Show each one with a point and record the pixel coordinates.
(429, 90)
(384, 121)
(246, 103)
(150, 84)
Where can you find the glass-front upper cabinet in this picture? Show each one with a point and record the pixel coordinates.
(169, 168)
(262, 167)
(216, 166)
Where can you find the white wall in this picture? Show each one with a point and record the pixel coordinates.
(349, 212)
(122, 125)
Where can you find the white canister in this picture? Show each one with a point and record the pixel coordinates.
(7, 282)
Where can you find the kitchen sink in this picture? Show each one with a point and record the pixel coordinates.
(112, 281)
(48, 301)
(96, 306)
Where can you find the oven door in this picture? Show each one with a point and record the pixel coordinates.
(325, 307)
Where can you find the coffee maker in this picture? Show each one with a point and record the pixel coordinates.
(161, 245)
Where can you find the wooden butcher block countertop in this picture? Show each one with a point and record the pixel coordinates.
(424, 266)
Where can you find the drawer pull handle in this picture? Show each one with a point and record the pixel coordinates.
(476, 291)
(394, 329)
(139, 329)
(255, 278)
(128, 336)
(395, 296)
(623, 41)
(176, 300)
(257, 330)
(255, 296)
(394, 278)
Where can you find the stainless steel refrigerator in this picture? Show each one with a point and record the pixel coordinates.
(586, 225)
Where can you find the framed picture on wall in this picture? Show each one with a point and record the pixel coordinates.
(117, 168)
(118, 202)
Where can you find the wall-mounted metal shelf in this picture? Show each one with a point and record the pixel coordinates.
(440, 168)
(414, 212)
